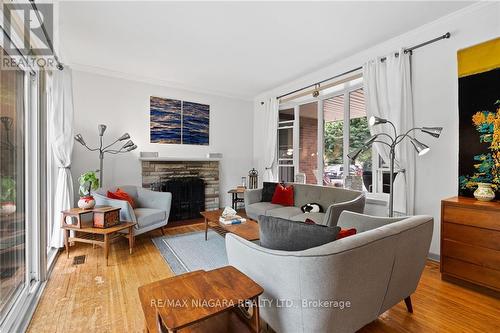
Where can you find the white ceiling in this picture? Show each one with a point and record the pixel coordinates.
(236, 49)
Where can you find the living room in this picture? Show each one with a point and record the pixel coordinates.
(250, 166)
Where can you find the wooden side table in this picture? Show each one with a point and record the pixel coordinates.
(202, 301)
(99, 236)
(234, 197)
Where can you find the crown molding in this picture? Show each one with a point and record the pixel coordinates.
(300, 80)
(154, 81)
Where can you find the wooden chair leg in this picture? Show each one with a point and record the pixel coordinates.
(408, 304)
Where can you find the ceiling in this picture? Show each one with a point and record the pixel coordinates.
(237, 49)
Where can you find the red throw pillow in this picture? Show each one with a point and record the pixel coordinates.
(346, 232)
(309, 221)
(122, 195)
(283, 195)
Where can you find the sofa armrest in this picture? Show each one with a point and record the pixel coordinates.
(253, 196)
(333, 212)
(126, 211)
(362, 222)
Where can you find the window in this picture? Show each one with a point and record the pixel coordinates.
(286, 168)
(308, 142)
(327, 129)
(12, 187)
(22, 221)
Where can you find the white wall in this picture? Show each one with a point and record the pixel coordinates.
(123, 105)
(435, 97)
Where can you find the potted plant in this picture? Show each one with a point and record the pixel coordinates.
(88, 182)
(7, 195)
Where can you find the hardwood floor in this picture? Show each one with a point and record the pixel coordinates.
(94, 298)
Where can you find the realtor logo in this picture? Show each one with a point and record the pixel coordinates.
(24, 34)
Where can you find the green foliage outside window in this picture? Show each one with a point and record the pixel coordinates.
(359, 133)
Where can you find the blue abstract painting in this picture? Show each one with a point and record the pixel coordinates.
(195, 123)
(178, 122)
(166, 120)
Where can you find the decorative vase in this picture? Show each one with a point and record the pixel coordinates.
(86, 202)
(7, 208)
(484, 192)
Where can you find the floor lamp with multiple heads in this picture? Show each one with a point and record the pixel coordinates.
(392, 141)
(128, 146)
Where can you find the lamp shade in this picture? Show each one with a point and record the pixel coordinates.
(421, 148)
(79, 139)
(370, 140)
(434, 131)
(129, 143)
(376, 120)
(352, 155)
(101, 128)
(7, 122)
(124, 137)
(131, 148)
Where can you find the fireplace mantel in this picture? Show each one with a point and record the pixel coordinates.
(178, 159)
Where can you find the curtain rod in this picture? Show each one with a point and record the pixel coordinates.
(410, 49)
(49, 41)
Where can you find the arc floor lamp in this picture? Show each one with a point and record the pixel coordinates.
(392, 141)
(128, 146)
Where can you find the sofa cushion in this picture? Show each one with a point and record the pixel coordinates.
(259, 208)
(318, 218)
(268, 189)
(148, 216)
(288, 235)
(283, 195)
(284, 212)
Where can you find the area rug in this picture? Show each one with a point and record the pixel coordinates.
(190, 252)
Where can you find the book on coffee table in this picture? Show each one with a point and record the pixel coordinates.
(235, 219)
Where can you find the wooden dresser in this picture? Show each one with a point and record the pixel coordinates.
(470, 241)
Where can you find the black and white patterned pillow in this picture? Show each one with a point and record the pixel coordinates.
(312, 208)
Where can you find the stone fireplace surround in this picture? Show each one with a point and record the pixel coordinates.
(164, 168)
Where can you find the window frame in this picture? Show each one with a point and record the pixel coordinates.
(24, 301)
(377, 169)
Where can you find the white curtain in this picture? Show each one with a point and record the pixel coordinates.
(388, 95)
(60, 123)
(271, 140)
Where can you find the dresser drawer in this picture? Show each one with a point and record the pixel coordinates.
(471, 235)
(473, 254)
(473, 273)
(482, 218)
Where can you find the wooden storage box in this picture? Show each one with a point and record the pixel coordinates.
(105, 217)
(73, 218)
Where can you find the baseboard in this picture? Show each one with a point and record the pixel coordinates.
(434, 257)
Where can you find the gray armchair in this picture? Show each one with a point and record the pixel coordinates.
(153, 208)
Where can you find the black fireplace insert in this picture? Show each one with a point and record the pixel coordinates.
(188, 197)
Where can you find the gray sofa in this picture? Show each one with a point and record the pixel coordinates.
(153, 208)
(373, 270)
(333, 200)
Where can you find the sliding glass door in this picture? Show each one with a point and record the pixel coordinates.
(12, 187)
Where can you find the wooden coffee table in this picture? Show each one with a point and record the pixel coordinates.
(248, 230)
(202, 301)
(100, 236)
